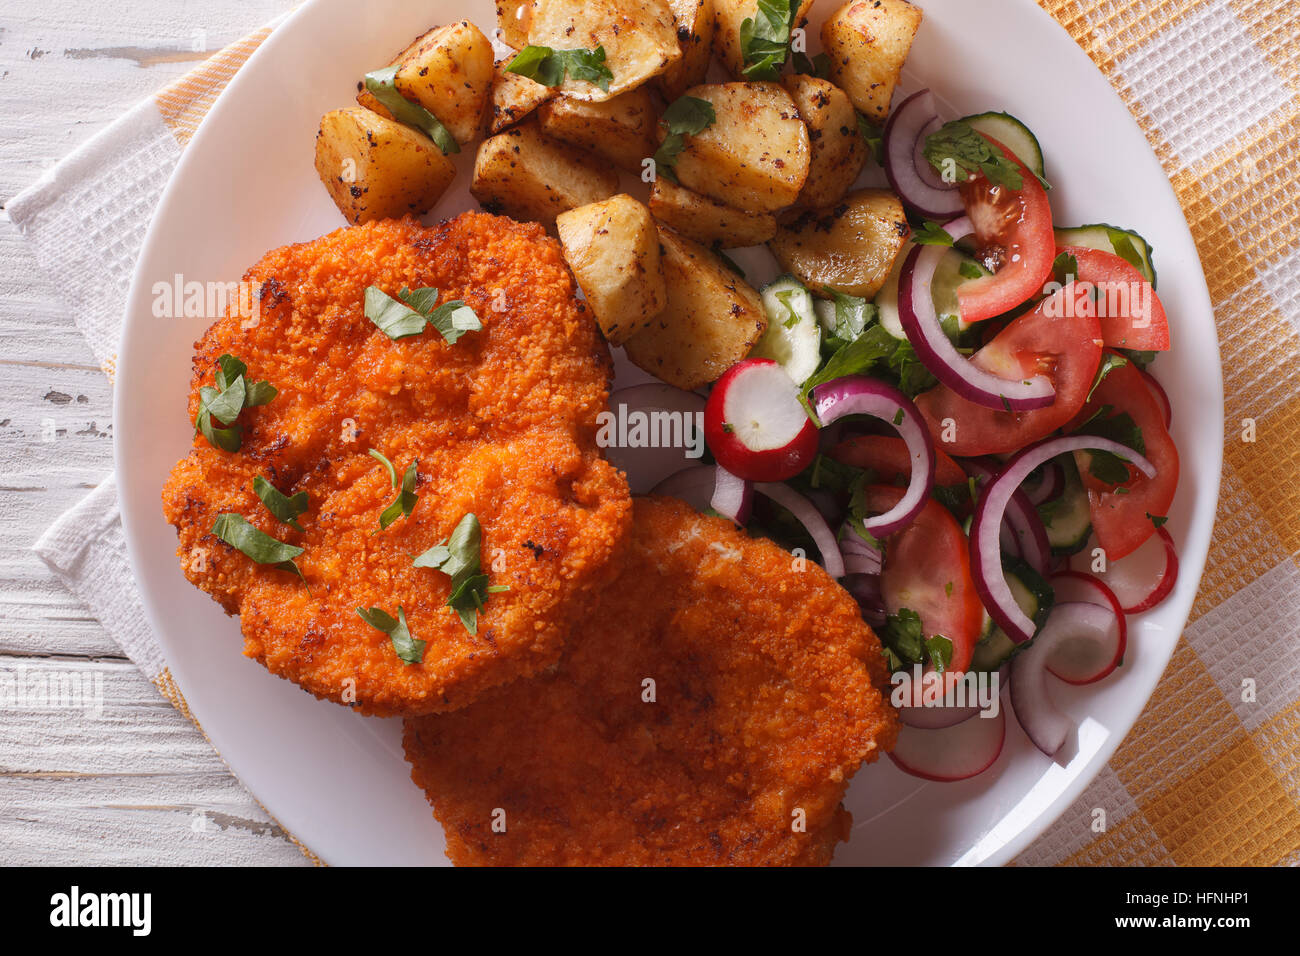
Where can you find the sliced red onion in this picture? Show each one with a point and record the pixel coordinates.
(807, 515)
(903, 144)
(1051, 484)
(1047, 726)
(859, 395)
(693, 485)
(865, 589)
(860, 564)
(732, 496)
(986, 552)
(853, 543)
(938, 354)
(1022, 532)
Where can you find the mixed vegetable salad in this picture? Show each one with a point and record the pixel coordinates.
(980, 454)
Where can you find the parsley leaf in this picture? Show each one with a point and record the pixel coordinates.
(549, 67)
(939, 648)
(902, 634)
(931, 234)
(819, 66)
(406, 498)
(970, 270)
(956, 148)
(1124, 248)
(413, 310)
(286, 508)
(236, 531)
(875, 138)
(686, 116)
(1106, 466)
(765, 38)
(223, 404)
(409, 650)
(1157, 520)
(383, 87)
(855, 357)
(1109, 362)
(1065, 268)
(459, 558)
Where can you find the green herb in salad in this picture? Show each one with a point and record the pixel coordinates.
(549, 67)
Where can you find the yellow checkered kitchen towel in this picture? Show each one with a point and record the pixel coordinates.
(1204, 778)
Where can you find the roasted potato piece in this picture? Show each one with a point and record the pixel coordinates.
(621, 129)
(693, 20)
(837, 150)
(525, 175)
(755, 155)
(376, 168)
(613, 249)
(448, 71)
(639, 38)
(728, 15)
(712, 321)
(514, 17)
(867, 41)
(849, 248)
(513, 98)
(707, 220)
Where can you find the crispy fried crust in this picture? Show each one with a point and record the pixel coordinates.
(769, 693)
(503, 425)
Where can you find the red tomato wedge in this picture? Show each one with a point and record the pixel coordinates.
(890, 460)
(1128, 309)
(1014, 240)
(1121, 515)
(927, 569)
(1052, 340)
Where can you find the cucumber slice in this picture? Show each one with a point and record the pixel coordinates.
(1012, 134)
(794, 336)
(943, 288)
(1068, 519)
(1035, 597)
(1122, 242)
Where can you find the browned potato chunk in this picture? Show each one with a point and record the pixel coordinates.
(376, 168)
(513, 98)
(728, 15)
(525, 175)
(694, 23)
(754, 155)
(613, 249)
(712, 321)
(707, 220)
(621, 130)
(867, 41)
(514, 17)
(639, 38)
(838, 151)
(448, 71)
(850, 248)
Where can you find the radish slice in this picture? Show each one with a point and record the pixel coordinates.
(859, 395)
(1140, 580)
(1081, 662)
(1022, 532)
(756, 425)
(952, 753)
(808, 516)
(937, 353)
(731, 496)
(935, 718)
(986, 552)
(903, 142)
(1046, 725)
(662, 410)
(693, 485)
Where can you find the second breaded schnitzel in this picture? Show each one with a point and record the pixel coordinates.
(501, 424)
(711, 707)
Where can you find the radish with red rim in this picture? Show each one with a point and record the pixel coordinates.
(1085, 662)
(648, 465)
(756, 426)
(951, 753)
(1140, 580)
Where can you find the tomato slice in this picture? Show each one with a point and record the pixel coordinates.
(1128, 309)
(1014, 240)
(890, 460)
(927, 569)
(1120, 513)
(1063, 343)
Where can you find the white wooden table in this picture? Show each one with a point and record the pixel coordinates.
(138, 784)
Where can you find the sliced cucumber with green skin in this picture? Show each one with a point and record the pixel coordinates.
(1012, 134)
(943, 288)
(1068, 520)
(794, 335)
(1035, 597)
(1122, 242)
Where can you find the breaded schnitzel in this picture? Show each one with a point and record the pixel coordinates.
(768, 692)
(502, 424)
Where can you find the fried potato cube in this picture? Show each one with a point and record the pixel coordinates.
(693, 20)
(728, 15)
(448, 71)
(754, 155)
(838, 151)
(513, 98)
(525, 175)
(639, 38)
(514, 17)
(706, 220)
(849, 248)
(613, 249)
(376, 168)
(712, 321)
(867, 41)
(621, 129)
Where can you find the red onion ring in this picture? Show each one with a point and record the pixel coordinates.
(1022, 532)
(732, 496)
(806, 514)
(1051, 485)
(903, 141)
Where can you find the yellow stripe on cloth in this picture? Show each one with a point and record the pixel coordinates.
(184, 103)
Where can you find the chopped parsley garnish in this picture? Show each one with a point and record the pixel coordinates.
(819, 66)
(765, 38)
(383, 87)
(905, 642)
(458, 557)
(784, 298)
(956, 150)
(414, 309)
(406, 498)
(1065, 268)
(931, 234)
(222, 405)
(970, 270)
(875, 138)
(286, 508)
(1103, 465)
(686, 116)
(1109, 362)
(1157, 520)
(549, 67)
(939, 648)
(236, 531)
(409, 650)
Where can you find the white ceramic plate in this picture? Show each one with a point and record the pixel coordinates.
(246, 184)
